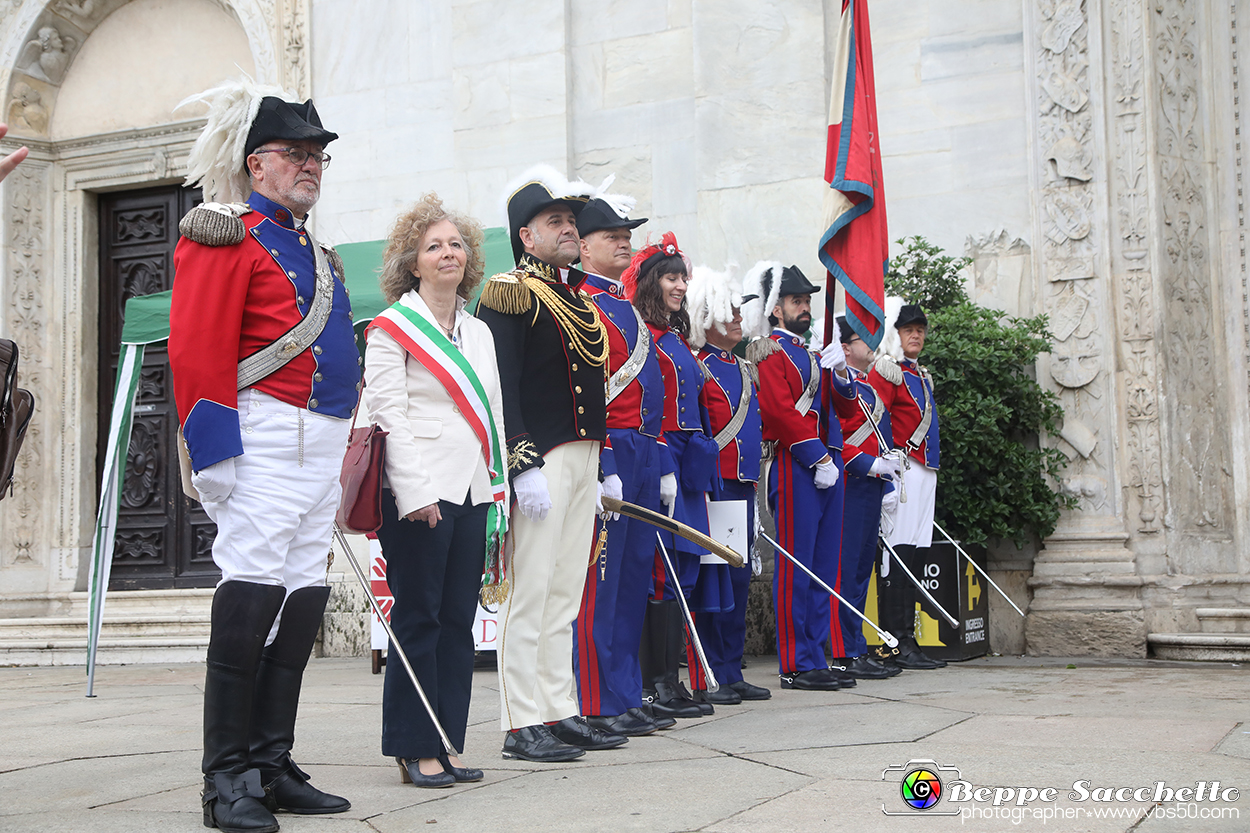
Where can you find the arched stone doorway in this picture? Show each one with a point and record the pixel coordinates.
(90, 85)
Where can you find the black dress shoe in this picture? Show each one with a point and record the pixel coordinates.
(628, 725)
(410, 773)
(233, 803)
(537, 744)
(817, 679)
(290, 791)
(863, 668)
(665, 702)
(750, 692)
(462, 774)
(910, 656)
(705, 708)
(723, 696)
(575, 731)
(645, 713)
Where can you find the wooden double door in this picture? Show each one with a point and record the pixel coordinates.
(164, 539)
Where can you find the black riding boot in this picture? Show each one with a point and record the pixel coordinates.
(658, 656)
(243, 613)
(275, 705)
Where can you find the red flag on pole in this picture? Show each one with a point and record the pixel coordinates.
(855, 247)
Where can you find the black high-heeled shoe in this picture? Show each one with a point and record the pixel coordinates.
(462, 774)
(410, 773)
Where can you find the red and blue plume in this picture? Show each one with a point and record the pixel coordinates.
(667, 247)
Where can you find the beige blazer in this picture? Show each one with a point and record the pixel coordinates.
(431, 452)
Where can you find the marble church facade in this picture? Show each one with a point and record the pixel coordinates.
(1086, 153)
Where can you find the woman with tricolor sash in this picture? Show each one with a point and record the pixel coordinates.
(431, 381)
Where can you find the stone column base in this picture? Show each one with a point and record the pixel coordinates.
(1088, 633)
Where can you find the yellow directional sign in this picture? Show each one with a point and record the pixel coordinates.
(974, 587)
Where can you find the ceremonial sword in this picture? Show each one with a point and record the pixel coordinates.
(377, 609)
(976, 566)
(954, 622)
(886, 636)
(664, 522)
(712, 685)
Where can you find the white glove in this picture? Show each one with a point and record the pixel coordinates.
(668, 492)
(833, 357)
(215, 482)
(610, 487)
(826, 475)
(889, 503)
(532, 497)
(889, 510)
(887, 468)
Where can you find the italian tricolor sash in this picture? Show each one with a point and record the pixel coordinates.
(427, 344)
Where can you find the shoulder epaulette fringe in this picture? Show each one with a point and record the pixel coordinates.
(215, 224)
(761, 349)
(707, 374)
(506, 293)
(336, 261)
(889, 369)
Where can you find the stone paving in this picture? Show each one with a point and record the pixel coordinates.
(129, 758)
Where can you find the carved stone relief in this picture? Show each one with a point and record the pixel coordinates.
(1197, 409)
(1067, 248)
(26, 225)
(1132, 269)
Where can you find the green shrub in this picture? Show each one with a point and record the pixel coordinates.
(995, 481)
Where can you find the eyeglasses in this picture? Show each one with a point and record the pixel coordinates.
(298, 156)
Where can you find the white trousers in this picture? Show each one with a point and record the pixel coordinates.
(547, 569)
(275, 527)
(914, 522)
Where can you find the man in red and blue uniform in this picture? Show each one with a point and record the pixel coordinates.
(906, 389)
(266, 373)
(870, 468)
(734, 417)
(609, 623)
(800, 404)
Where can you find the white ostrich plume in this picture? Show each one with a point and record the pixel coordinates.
(710, 299)
(218, 157)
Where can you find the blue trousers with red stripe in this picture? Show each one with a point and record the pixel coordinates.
(809, 526)
(608, 629)
(861, 521)
(724, 634)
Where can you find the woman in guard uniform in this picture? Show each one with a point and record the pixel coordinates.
(655, 283)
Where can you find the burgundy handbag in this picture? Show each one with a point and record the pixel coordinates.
(360, 507)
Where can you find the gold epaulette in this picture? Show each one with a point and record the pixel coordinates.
(215, 223)
(888, 368)
(761, 349)
(507, 294)
(336, 261)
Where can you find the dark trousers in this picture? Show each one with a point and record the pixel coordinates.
(435, 576)
(861, 523)
(898, 595)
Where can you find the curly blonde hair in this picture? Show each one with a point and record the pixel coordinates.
(404, 241)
